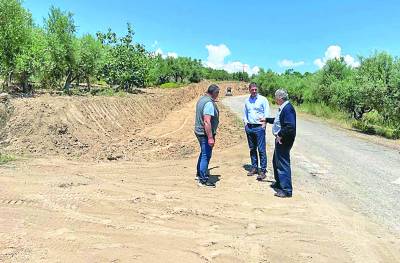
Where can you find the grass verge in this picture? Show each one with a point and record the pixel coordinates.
(369, 124)
(171, 85)
(5, 158)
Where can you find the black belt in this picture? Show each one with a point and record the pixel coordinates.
(253, 125)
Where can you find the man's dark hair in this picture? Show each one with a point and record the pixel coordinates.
(212, 89)
(252, 85)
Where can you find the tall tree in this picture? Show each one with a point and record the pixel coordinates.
(15, 30)
(127, 63)
(60, 29)
(90, 58)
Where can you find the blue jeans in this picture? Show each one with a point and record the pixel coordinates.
(282, 171)
(256, 140)
(204, 158)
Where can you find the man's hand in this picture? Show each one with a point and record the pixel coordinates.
(279, 139)
(211, 142)
(263, 122)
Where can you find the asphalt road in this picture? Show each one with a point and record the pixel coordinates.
(362, 174)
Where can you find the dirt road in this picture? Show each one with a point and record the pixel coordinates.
(362, 174)
(58, 210)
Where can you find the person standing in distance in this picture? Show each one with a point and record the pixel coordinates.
(256, 108)
(206, 125)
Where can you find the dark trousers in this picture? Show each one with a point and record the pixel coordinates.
(204, 158)
(256, 140)
(282, 171)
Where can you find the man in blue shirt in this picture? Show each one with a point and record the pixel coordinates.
(256, 108)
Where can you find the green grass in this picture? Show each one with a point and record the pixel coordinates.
(325, 112)
(108, 92)
(5, 158)
(170, 85)
(371, 123)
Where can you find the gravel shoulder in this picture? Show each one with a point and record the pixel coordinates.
(362, 173)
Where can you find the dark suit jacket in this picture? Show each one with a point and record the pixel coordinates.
(287, 119)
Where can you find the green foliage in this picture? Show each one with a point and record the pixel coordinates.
(108, 92)
(217, 74)
(170, 85)
(324, 111)
(33, 59)
(241, 76)
(54, 57)
(5, 158)
(15, 35)
(91, 58)
(126, 63)
(62, 47)
(181, 69)
(370, 94)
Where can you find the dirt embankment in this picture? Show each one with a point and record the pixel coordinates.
(111, 128)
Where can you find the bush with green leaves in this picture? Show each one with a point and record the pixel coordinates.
(15, 37)
(372, 89)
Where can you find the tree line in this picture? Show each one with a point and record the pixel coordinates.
(369, 94)
(53, 56)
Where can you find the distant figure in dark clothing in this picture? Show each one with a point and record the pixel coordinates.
(284, 130)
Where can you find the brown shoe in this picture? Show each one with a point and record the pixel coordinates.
(261, 176)
(252, 172)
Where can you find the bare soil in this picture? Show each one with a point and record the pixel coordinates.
(57, 206)
(138, 127)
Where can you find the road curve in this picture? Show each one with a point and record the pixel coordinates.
(362, 174)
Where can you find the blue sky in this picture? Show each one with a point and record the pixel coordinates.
(230, 34)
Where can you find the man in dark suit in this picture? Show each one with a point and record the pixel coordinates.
(284, 130)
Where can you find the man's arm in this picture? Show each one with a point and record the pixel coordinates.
(245, 120)
(270, 120)
(208, 130)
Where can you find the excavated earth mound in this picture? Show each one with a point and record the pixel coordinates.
(157, 123)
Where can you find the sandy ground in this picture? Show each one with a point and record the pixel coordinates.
(58, 210)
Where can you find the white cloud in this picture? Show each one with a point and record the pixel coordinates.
(287, 63)
(335, 52)
(255, 70)
(159, 51)
(216, 55)
(351, 61)
(172, 54)
(216, 60)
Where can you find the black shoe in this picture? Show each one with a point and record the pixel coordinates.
(261, 176)
(282, 195)
(275, 186)
(252, 172)
(207, 184)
